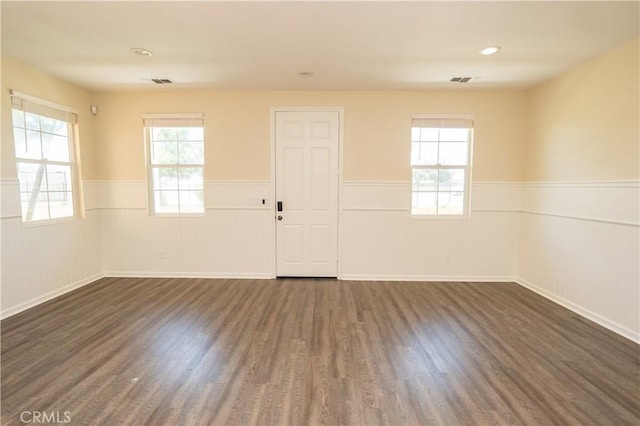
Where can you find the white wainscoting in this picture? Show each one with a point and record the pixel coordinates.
(220, 195)
(42, 261)
(574, 243)
(381, 241)
(10, 199)
(579, 246)
(234, 238)
(611, 202)
(221, 243)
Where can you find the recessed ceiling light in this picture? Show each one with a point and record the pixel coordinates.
(305, 74)
(141, 51)
(490, 50)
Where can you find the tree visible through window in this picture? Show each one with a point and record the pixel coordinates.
(43, 141)
(440, 165)
(176, 164)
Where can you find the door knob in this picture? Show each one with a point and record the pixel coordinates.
(279, 217)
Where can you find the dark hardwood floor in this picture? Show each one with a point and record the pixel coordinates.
(310, 352)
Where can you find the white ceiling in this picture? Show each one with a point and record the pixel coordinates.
(347, 45)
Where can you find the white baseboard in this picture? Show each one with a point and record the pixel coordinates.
(48, 296)
(120, 274)
(229, 275)
(442, 278)
(586, 313)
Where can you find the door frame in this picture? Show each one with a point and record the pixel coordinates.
(340, 111)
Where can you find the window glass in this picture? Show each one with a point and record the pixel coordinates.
(176, 168)
(44, 160)
(440, 158)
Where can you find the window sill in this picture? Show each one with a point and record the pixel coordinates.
(439, 217)
(176, 215)
(47, 222)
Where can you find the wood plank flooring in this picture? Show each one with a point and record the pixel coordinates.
(313, 352)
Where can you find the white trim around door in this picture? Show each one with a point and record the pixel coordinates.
(340, 112)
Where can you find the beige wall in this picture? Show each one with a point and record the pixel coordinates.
(584, 124)
(237, 127)
(26, 79)
(376, 126)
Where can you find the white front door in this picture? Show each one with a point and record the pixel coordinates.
(306, 145)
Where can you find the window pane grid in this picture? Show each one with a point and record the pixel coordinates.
(431, 146)
(43, 159)
(176, 167)
(439, 160)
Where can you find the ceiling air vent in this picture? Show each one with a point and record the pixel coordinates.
(460, 79)
(161, 81)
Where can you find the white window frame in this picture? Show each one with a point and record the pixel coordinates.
(445, 121)
(151, 121)
(43, 108)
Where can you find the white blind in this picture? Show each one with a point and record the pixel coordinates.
(443, 122)
(173, 120)
(33, 105)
